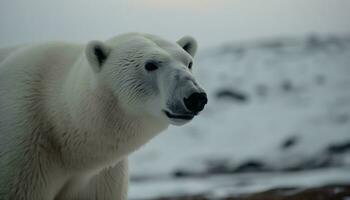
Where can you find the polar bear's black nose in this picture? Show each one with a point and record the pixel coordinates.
(196, 102)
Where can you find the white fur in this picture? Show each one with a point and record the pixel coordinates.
(68, 124)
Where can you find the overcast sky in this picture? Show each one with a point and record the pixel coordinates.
(212, 22)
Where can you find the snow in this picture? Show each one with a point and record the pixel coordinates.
(223, 185)
(295, 90)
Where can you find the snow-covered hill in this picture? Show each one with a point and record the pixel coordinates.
(278, 115)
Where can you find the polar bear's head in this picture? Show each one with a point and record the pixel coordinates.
(149, 76)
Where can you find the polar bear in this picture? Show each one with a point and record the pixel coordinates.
(70, 114)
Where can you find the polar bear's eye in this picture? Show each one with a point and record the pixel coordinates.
(190, 65)
(151, 66)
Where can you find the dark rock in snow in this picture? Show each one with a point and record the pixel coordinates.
(251, 166)
(235, 95)
(290, 142)
(181, 174)
(339, 148)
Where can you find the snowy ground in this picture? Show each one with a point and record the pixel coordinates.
(278, 115)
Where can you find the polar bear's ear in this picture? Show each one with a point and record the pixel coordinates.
(97, 53)
(189, 44)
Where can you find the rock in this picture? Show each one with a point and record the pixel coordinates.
(181, 174)
(289, 142)
(231, 94)
(339, 148)
(251, 166)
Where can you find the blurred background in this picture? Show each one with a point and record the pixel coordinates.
(278, 77)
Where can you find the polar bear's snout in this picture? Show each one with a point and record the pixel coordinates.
(186, 98)
(196, 102)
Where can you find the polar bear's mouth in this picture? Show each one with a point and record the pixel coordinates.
(178, 116)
